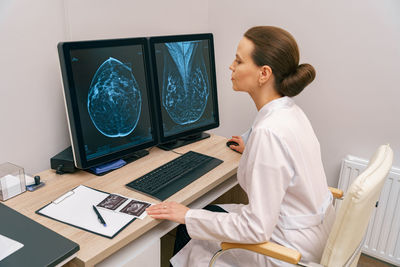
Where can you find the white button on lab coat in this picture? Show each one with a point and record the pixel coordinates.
(289, 202)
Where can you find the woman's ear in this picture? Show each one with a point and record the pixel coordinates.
(265, 74)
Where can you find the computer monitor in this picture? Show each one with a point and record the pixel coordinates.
(108, 98)
(185, 87)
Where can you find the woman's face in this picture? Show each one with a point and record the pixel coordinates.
(245, 73)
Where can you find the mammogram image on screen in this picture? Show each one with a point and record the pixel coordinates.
(185, 87)
(114, 99)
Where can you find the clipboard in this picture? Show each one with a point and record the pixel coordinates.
(75, 208)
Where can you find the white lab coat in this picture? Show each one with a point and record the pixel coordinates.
(289, 202)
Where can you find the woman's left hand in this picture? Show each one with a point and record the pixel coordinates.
(172, 211)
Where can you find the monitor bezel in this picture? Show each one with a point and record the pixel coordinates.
(70, 98)
(182, 38)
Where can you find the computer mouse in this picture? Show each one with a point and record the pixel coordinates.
(229, 143)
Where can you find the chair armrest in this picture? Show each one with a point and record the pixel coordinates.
(337, 193)
(268, 249)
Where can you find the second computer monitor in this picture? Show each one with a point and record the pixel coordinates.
(185, 85)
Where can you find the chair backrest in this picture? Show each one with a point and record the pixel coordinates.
(354, 214)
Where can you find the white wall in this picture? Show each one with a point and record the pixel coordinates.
(33, 121)
(354, 103)
(353, 44)
(32, 116)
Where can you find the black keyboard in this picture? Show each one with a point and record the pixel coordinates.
(171, 177)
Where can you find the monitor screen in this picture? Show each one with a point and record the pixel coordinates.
(185, 84)
(108, 98)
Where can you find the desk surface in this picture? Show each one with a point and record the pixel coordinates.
(94, 248)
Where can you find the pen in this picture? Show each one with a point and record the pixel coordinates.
(99, 216)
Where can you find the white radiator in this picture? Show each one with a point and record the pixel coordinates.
(383, 233)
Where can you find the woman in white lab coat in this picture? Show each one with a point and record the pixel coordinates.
(280, 170)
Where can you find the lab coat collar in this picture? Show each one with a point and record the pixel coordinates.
(279, 103)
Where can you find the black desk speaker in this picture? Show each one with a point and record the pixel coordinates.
(63, 162)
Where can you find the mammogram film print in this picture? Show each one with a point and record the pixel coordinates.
(112, 202)
(135, 208)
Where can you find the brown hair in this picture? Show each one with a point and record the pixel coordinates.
(277, 48)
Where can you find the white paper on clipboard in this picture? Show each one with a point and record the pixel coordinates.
(76, 208)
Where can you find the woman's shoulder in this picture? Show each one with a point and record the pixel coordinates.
(278, 120)
(285, 124)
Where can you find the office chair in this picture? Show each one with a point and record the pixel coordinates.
(343, 247)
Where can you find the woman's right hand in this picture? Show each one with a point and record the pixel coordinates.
(238, 139)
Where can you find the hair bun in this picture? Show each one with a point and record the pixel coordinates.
(296, 81)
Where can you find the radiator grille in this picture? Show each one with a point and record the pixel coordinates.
(383, 234)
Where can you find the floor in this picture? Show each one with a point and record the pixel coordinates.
(366, 261)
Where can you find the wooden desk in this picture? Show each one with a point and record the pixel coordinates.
(94, 248)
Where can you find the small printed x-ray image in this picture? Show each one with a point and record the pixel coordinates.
(112, 202)
(135, 208)
(185, 82)
(114, 100)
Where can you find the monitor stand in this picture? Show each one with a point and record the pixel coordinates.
(184, 141)
(105, 168)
